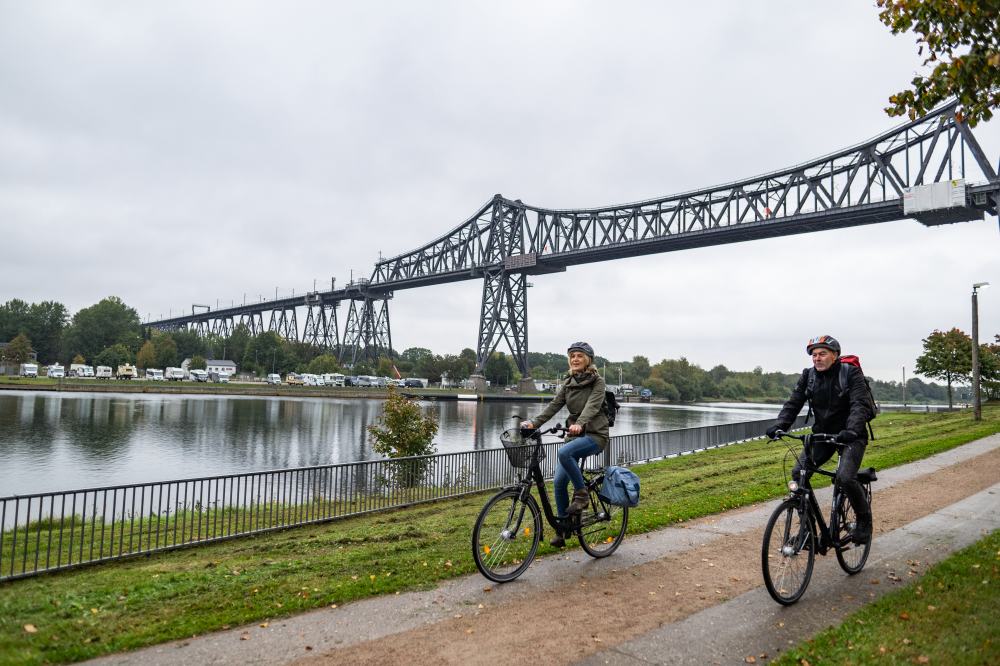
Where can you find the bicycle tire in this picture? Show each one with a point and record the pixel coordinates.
(788, 552)
(506, 535)
(601, 526)
(850, 556)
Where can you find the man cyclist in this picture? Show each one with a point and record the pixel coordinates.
(839, 410)
(582, 393)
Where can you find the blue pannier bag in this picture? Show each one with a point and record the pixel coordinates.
(620, 487)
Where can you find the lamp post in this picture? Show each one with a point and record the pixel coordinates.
(904, 388)
(977, 406)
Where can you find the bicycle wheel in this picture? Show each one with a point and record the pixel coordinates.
(602, 526)
(788, 552)
(506, 536)
(851, 556)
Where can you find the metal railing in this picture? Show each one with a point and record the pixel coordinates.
(51, 531)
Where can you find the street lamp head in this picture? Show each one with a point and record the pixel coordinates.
(980, 284)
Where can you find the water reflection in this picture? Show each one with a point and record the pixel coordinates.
(55, 441)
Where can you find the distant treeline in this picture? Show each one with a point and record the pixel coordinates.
(110, 333)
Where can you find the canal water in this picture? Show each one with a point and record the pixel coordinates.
(62, 441)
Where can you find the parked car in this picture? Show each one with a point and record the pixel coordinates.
(56, 371)
(198, 375)
(273, 379)
(413, 382)
(29, 369)
(103, 372)
(350, 381)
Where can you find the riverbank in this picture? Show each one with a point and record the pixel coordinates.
(249, 389)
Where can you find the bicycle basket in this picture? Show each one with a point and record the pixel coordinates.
(520, 448)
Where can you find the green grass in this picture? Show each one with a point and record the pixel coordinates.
(122, 605)
(949, 616)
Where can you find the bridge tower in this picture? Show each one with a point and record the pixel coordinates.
(321, 328)
(367, 335)
(504, 313)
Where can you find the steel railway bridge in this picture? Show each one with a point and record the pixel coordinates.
(881, 180)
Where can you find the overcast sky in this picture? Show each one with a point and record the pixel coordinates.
(193, 152)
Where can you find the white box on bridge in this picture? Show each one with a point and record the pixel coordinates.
(947, 194)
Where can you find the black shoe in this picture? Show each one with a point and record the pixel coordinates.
(862, 533)
(558, 541)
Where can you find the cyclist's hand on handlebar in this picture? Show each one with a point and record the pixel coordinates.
(846, 436)
(774, 432)
(527, 425)
(575, 429)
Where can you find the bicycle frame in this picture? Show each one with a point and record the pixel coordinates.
(534, 477)
(804, 492)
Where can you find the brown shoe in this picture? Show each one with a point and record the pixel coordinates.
(581, 498)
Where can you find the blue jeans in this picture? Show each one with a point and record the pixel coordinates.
(568, 469)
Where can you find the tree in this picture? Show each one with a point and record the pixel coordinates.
(402, 431)
(18, 351)
(197, 363)
(114, 356)
(499, 369)
(324, 364)
(78, 360)
(946, 356)
(989, 369)
(146, 358)
(166, 351)
(103, 325)
(963, 43)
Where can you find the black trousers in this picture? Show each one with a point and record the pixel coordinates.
(847, 472)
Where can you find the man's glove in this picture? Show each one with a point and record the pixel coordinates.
(846, 437)
(772, 431)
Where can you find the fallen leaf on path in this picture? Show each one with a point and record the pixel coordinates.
(30, 629)
(904, 616)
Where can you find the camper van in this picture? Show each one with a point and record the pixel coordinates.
(173, 374)
(56, 371)
(126, 371)
(198, 376)
(103, 372)
(29, 370)
(154, 374)
(333, 379)
(274, 379)
(80, 370)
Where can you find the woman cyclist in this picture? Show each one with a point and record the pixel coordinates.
(582, 393)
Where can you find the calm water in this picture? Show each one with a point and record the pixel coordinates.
(58, 441)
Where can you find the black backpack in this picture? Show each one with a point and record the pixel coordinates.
(610, 407)
(870, 406)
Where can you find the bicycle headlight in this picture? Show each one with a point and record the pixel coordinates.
(793, 486)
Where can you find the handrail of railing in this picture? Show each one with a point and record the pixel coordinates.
(51, 531)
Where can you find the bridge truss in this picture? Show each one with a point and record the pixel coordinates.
(505, 241)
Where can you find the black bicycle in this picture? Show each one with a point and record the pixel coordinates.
(797, 531)
(509, 528)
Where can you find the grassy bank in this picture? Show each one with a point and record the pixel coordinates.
(949, 616)
(128, 604)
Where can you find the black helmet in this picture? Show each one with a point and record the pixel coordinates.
(823, 342)
(581, 347)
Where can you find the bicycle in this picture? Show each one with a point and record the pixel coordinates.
(508, 530)
(796, 531)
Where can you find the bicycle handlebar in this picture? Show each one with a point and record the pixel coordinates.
(816, 437)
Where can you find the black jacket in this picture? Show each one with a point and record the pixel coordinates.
(833, 407)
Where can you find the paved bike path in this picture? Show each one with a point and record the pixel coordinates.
(752, 624)
(316, 632)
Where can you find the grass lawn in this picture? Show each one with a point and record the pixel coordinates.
(116, 606)
(949, 616)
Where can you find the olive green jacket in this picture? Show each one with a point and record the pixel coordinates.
(584, 399)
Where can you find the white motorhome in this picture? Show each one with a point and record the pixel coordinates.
(126, 371)
(333, 379)
(199, 375)
(366, 380)
(56, 371)
(173, 374)
(154, 374)
(29, 370)
(103, 372)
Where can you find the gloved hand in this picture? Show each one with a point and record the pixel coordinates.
(772, 431)
(846, 437)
